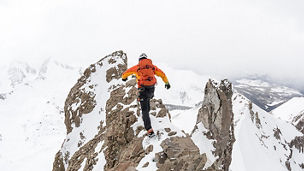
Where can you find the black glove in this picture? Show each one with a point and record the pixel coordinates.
(124, 79)
(167, 86)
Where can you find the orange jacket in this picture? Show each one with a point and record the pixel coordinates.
(133, 70)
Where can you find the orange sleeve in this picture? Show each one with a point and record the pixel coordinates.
(130, 71)
(161, 74)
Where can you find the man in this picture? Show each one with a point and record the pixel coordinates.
(145, 73)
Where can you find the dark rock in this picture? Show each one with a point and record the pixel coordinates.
(167, 129)
(277, 133)
(180, 153)
(217, 117)
(149, 149)
(58, 162)
(172, 133)
(298, 121)
(146, 164)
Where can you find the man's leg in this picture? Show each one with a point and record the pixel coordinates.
(145, 107)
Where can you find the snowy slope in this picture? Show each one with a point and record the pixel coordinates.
(265, 94)
(32, 119)
(256, 146)
(290, 109)
(187, 87)
(262, 141)
(31, 124)
(14, 74)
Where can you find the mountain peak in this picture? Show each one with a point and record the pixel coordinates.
(105, 129)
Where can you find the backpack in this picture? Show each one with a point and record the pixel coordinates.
(146, 72)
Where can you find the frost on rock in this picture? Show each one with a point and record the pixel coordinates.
(214, 126)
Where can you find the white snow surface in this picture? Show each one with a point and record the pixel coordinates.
(256, 148)
(290, 109)
(31, 124)
(204, 144)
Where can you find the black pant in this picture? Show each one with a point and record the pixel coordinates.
(145, 94)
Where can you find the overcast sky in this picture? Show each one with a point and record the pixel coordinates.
(225, 37)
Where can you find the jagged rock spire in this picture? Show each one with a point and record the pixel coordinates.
(216, 117)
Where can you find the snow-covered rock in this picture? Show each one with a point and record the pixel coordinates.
(105, 129)
(104, 125)
(289, 110)
(292, 111)
(264, 142)
(298, 121)
(213, 133)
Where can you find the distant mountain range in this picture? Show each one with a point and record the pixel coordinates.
(265, 94)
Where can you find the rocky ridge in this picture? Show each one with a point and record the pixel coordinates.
(105, 129)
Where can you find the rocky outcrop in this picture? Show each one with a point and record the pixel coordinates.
(298, 121)
(254, 116)
(180, 153)
(105, 130)
(2, 96)
(123, 147)
(95, 94)
(84, 96)
(215, 122)
(58, 163)
(296, 147)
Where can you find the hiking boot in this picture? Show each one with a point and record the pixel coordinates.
(150, 133)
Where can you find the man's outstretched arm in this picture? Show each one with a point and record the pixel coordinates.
(161, 74)
(130, 71)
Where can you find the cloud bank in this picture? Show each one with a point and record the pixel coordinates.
(227, 38)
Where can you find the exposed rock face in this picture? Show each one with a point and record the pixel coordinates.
(254, 117)
(58, 163)
(104, 125)
(83, 93)
(124, 150)
(180, 153)
(298, 121)
(298, 143)
(216, 117)
(105, 128)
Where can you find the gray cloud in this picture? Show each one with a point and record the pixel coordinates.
(224, 38)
